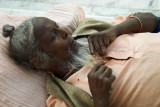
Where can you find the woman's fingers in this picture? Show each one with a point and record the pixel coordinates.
(112, 78)
(101, 70)
(96, 67)
(106, 41)
(108, 75)
(101, 46)
(107, 72)
(99, 42)
(96, 45)
(91, 45)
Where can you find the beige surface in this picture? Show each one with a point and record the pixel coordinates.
(98, 9)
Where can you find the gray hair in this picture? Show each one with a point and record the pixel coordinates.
(23, 46)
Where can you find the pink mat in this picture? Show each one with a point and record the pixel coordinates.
(20, 87)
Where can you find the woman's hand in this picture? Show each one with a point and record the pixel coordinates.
(99, 42)
(100, 80)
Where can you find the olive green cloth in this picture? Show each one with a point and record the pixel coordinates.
(89, 26)
(73, 96)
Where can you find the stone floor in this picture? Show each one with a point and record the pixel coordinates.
(98, 9)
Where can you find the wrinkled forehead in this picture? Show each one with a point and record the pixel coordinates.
(42, 25)
(43, 21)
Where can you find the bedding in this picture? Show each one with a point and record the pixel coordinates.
(136, 85)
(18, 86)
(21, 87)
(137, 82)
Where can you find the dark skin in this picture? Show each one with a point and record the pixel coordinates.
(101, 77)
(52, 39)
(99, 42)
(55, 41)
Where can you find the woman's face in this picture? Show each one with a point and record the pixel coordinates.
(52, 39)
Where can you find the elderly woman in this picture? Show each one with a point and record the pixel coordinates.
(39, 43)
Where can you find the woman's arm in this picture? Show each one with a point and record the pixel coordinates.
(140, 22)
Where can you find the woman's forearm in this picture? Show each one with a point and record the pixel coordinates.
(139, 22)
(148, 23)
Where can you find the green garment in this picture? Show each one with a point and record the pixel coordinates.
(74, 96)
(89, 26)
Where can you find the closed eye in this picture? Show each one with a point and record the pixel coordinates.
(53, 34)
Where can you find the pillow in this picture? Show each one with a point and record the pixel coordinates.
(67, 16)
(21, 87)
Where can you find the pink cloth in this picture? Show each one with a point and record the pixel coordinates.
(67, 16)
(133, 45)
(137, 82)
(136, 85)
(20, 87)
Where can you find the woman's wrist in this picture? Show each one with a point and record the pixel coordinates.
(117, 30)
(149, 21)
(144, 22)
(129, 26)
